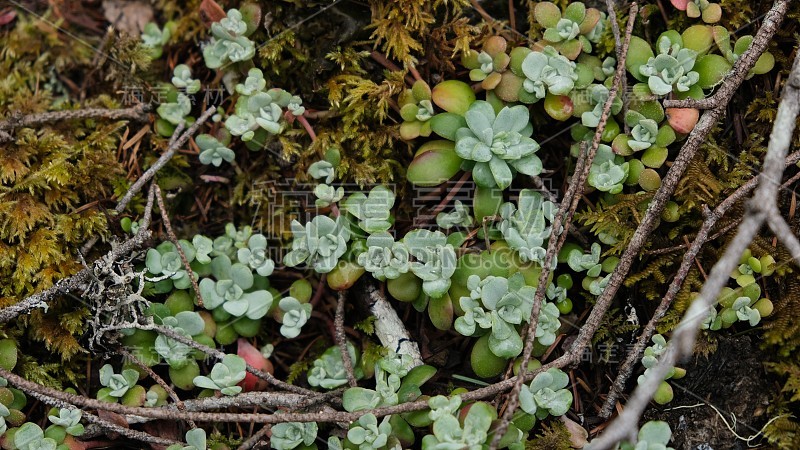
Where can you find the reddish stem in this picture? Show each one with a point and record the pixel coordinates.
(309, 129)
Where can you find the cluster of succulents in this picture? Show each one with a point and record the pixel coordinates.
(261, 112)
(664, 393)
(744, 303)
(486, 291)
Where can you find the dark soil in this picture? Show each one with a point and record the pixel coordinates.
(735, 382)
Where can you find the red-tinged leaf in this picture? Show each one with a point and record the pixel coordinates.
(7, 16)
(211, 12)
(253, 356)
(680, 4)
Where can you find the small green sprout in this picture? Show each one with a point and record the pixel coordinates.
(546, 395)
(295, 315)
(116, 384)
(322, 169)
(289, 435)
(224, 376)
(367, 434)
(213, 151)
(70, 419)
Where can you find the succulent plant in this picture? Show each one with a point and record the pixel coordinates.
(176, 111)
(416, 109)
(255, 255)
(525, 225)
(289, 435)
(182, 79)
(546, 394)
(448, 432)
(598, 95)
(710, 12)
(229, 42)
(295, 315)
(497, 146)
(320, 243)
(435, 260)
(69, 419)
(232, 290)
(672, 68)
(393, 374)
(644, 131)
(185, 323)
(373, 211)
(117, 384)
(253, 83)
(213, 151)
(165, 264)
(608, 171)
(328, 371)
(196, 439)
(322, 169)
(765, 62)
(546, 72)
(568, 32)
(435, 161)
(488, 65)
(384, 257)
(459, 217)
(224, 376)
(154, 38)
(367, 434)
(579, 262)
(497, 304)
(30, 437)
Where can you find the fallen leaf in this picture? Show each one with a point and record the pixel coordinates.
(128, 16)
(211, 12)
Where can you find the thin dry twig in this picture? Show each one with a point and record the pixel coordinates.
(341, 339)
(138, 112)
(160, 381)
(253, 440)
(174, 239)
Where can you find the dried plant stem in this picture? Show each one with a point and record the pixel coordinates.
(341, 339)
(138, 112)
(174, 239)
